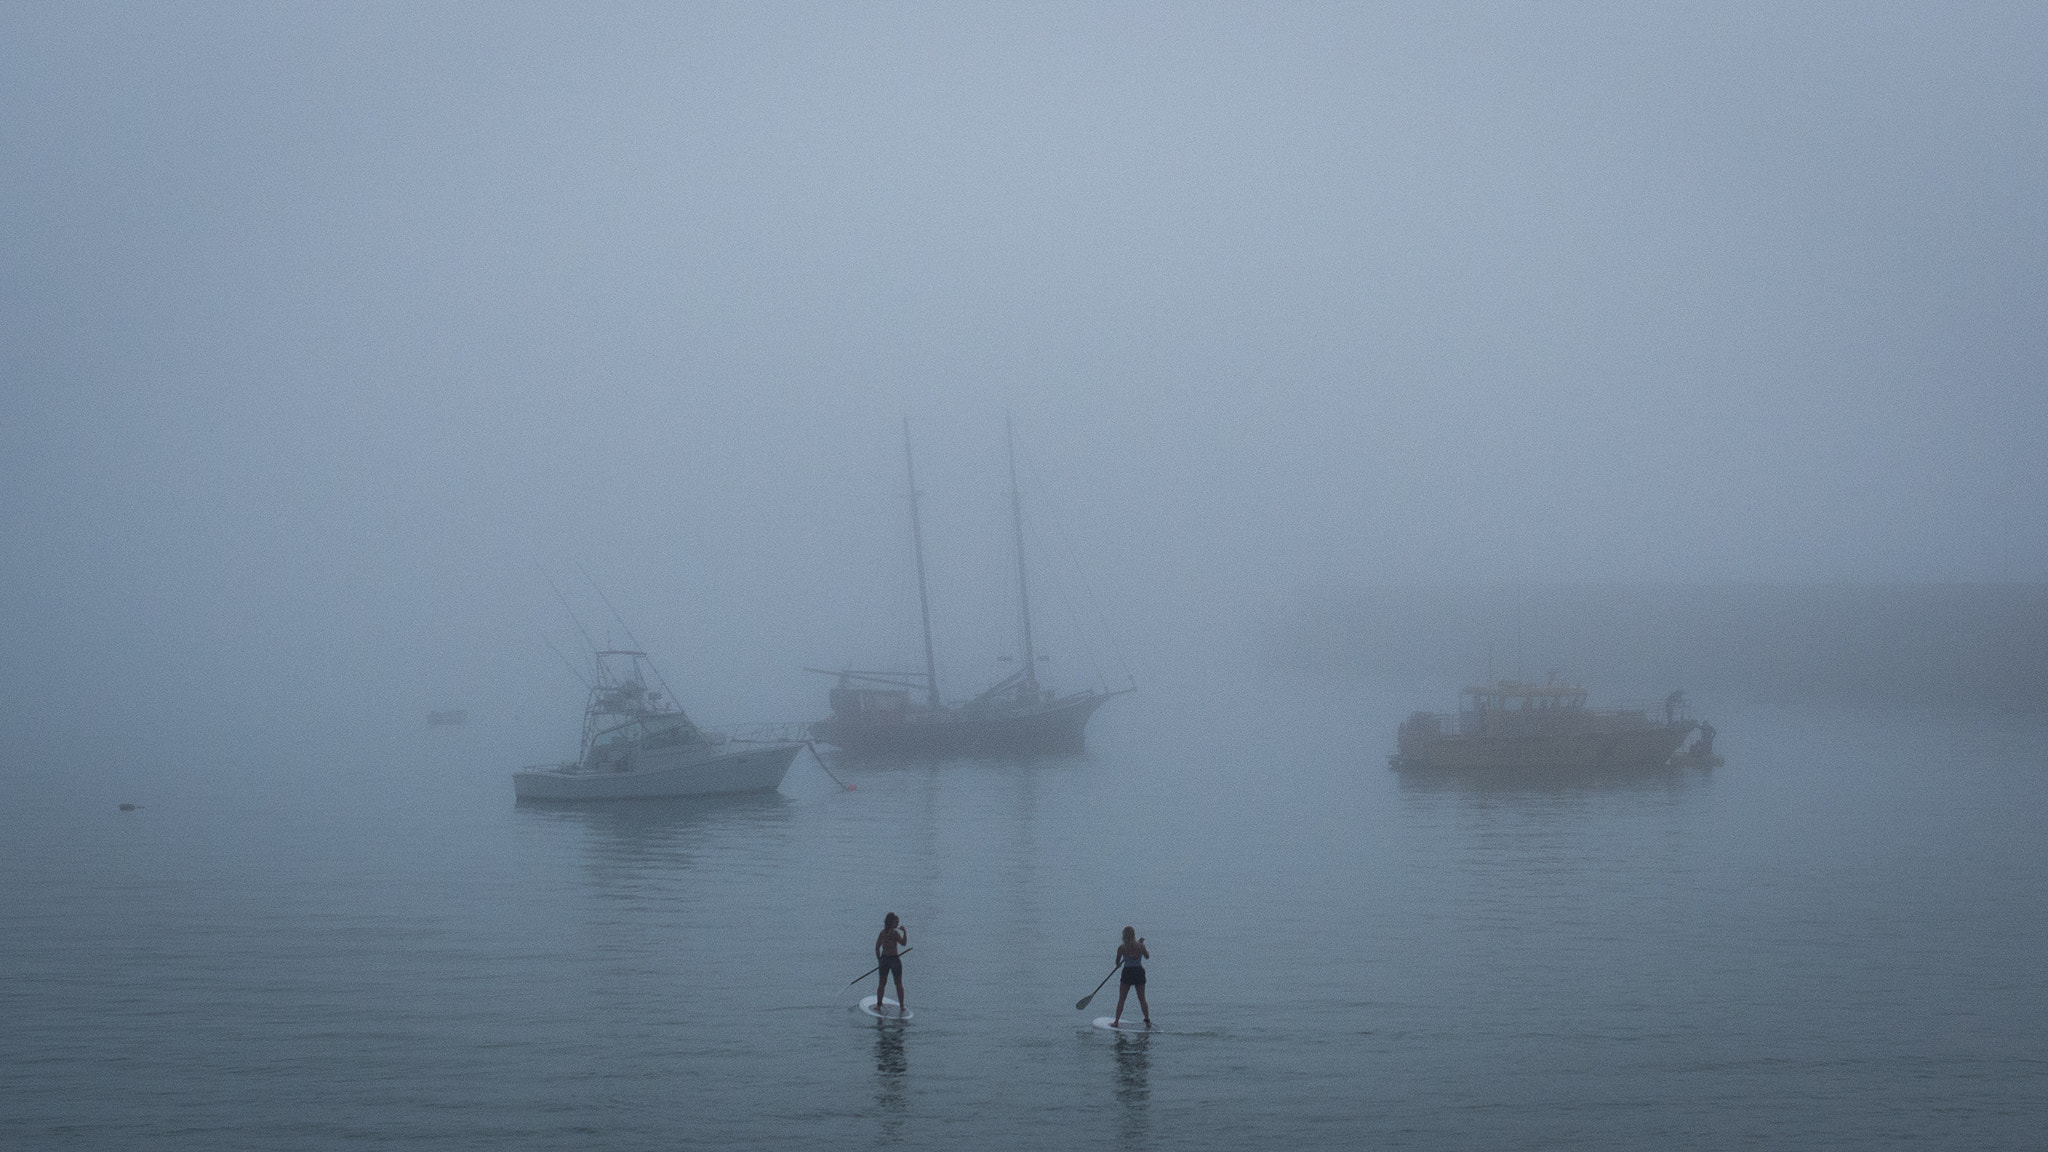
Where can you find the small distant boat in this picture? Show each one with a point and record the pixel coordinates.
(874, 713)
(454, 717)
(1526, 726)
(638, 744)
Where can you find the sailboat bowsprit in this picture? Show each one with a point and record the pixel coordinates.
(873, 713)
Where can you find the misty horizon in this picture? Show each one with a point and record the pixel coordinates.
(322, 328)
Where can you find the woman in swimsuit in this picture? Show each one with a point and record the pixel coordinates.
(885, 952)
(1131, 956)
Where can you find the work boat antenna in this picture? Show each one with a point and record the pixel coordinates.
(1023, 595)
(924, 599)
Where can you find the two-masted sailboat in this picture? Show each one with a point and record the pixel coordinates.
(874, 713)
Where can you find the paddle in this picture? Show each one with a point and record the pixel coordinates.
(875, 969)
(1083, 1001)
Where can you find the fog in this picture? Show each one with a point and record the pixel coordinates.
(1966, 650)
(324, 331)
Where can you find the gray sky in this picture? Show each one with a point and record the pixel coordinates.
(319, 327)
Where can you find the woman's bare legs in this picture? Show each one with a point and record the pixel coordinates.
(1122, 991)
(902, 1005)
(1144, 1007)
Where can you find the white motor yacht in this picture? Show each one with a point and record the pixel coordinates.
(638, 744)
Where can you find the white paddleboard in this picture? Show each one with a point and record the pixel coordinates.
(886, 1010)
(1128, 1025)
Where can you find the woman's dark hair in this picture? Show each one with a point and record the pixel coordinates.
(1130, 934)
(889, 921)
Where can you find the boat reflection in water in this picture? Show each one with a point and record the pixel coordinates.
(1551, 783)
(625, 846)
(666, 818)
(1523, 728)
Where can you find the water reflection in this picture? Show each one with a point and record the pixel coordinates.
(1549, 782)
(1133, 1083)
(1022, 872)
(632, 835)
(644, 820)
(892, 1075)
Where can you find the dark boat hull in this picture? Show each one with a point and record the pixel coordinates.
(1055, 727)
(1645, 747)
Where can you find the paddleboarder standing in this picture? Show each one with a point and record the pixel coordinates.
(893, 934)
(1130, 956)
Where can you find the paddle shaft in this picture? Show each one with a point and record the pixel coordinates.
(876, 968)
(1083, 1001)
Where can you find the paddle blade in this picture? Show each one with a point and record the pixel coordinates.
(1083, 1001)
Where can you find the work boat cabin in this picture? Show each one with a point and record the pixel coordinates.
(1513, 706)
(1519, 707)
(1523, 724)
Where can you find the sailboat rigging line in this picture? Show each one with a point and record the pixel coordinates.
(924, 600)
(1045, 492)
(1017, 524)
(1080, 634)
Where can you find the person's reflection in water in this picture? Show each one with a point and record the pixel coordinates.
(1133, 1084)
(892, 1071)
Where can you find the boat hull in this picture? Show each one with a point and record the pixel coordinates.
(756, 768)
(1057, 727)
(1647, 747)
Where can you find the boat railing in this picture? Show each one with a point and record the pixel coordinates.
(1503, 721)
(1680, 710)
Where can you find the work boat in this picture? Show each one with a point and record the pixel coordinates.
(638, 744)
(875, 713)
(1521, 725)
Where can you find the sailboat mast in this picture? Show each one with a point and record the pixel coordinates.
(1017, 524)
(924, 600)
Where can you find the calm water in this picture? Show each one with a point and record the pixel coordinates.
(1837, 940)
